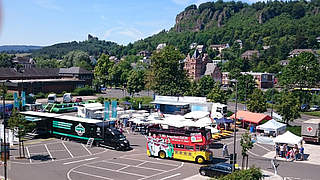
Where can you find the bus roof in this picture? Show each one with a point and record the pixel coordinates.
(79, 119)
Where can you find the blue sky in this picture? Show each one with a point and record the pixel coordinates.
(46, 22)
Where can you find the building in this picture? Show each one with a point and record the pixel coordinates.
(114, 59)
(250, 54)
(318, 39)
(213, 71)
(296, 52)
(200, 48)
(144, 54)
(263, 80)
(25, 61)
(161, 46)
(193, 45)
(35, 80)
(239, 42)
(217, 61)
(195, 65)
(284, 62)
(219, 47)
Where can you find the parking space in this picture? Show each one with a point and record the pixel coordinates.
(56, 150)
(133, 167)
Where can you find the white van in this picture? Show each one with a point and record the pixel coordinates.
(52, 98)
(67, 98)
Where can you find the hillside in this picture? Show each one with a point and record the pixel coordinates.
(12, 49)
(283, 26)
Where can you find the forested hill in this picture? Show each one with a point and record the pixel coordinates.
(283, 26)
(12, 49)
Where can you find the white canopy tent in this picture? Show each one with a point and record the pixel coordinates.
(273, 125)
(288, 138)
(196, 115)
(206, 121)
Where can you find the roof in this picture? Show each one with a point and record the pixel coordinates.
(74, 70)
(196, 53)
(271, 125)
(210, 67)
(29, 72)
(250, 53)
(170, 103)
(312, 121)
(251, 117)
(298, 51)
(288, 138)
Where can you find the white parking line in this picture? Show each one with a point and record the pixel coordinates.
(123, 168)
(48, 152)
(141, 163)
(134, 166)
(167, 164)
(40, 152)
(92, 175)
(164, 171)
(28, 153)
(67, 149)
(262, 147)
(86, 149)
(174, 175)
(123, 172)
(89, 159)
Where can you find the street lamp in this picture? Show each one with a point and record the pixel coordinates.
(235, 125)
(4, 128)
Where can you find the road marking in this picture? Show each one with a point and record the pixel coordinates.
(167, 164)
(263, 147)
(86, 149)
(134, 166)
(67, 149)
(254, 153)
(164, 171)
(134, 174)
(174, 175)
(141, 163)
(92, 175)
(40, 152)
(123, 168)
(28, 153)
(48, 152)
(89, 159)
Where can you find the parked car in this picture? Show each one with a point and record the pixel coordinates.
(315, 108)
(216, 170)
(78, 99)
(304, 107)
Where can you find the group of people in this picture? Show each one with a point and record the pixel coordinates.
(290, 153)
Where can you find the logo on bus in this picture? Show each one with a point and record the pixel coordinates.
(80, 130)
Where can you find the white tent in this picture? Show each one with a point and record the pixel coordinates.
(196, 114)
(288, 138)
(273, 125)
(206, 121)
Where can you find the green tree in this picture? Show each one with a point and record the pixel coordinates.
(246, 144)
(205, 85)
(257, 102)
(218, 95)
(21, 127)
(136, 82)
(77, 58)
(166, 76)
(246, 85)
(5, 61)
(288, 107)
(102, 69)
(302, 71)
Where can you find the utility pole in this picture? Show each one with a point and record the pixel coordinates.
(4, 132)
(235, 125)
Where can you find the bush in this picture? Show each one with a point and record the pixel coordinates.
(248, 174)
(295, 130)
(86, 91)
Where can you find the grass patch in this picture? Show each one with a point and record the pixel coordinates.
(294, 129)
(313, 113)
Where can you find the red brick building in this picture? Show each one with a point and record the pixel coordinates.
(195, 65)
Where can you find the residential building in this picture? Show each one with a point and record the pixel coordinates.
(144, 53)
(193, 45)
(239, 42)
(114, 59)
(200, 48)
(284, 62)
(195, 65)
(76, 73)
(296, 52)
(263, 80)
(250, 54)
(265, 47)
(213, 71)
(25, 61)
(219, 47)
(318, 39)
(161, 46)
(145, 60)
(217, 61)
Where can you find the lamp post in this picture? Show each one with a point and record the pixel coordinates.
(235, 125)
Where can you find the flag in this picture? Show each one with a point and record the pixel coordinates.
(106, 110)
(114, 109)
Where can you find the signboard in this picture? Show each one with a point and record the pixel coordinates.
(196, 137)
(114, 109)
(106, 110)
(16, 101)
(23, 97)
(80, 130)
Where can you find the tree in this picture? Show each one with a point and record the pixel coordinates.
(101, 71)
(135, 82)
(166, 75)
(302, 71)
(205, 85)
(246, 144)
(257, 102)
(288, 107)
(77, 58)
(5, 61)
(21, 127)
(246, 85)
(217, 95)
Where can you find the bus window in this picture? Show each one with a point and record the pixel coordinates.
(180, 146)
(189, 147)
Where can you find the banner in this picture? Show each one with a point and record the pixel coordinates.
(16, 100)
(23, 97)
(106, 110)
(114, 109)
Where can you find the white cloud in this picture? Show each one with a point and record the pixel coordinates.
(123, 35)
(132, 33)
(48, 4)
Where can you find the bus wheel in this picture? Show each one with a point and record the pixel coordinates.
(162, 154)
(200, 160)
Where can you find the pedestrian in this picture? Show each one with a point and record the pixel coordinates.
(288, 155)
(296, 152)
(282, 151)
(225, 152)
(301, 152)
(277, 149)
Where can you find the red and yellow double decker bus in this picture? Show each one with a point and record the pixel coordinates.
(190, 145)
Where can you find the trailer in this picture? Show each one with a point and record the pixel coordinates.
(310, 130)
(80, 129)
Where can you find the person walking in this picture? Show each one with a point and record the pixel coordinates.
(282, 151)
(301, 150)
(225, 152)
(277, 150)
